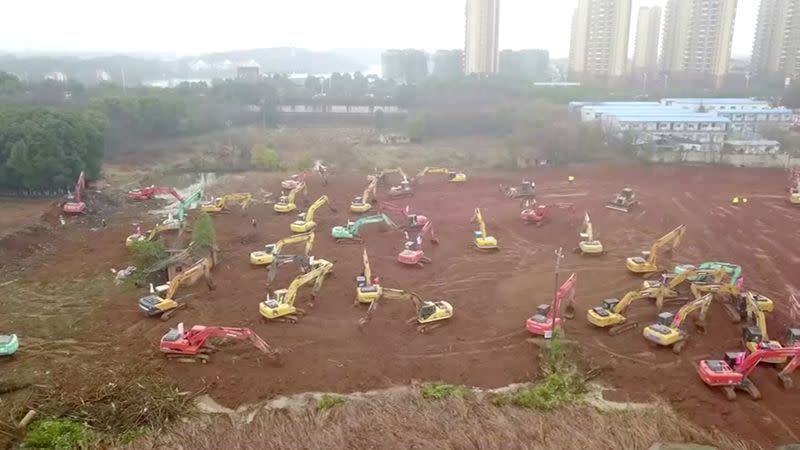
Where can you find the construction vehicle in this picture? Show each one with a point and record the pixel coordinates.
(429, 314)
(412, 253)
(548, 315)
(149, 192)
(293, 181)
(147, 236)
(286, 203)
(733, 271)
(9, 343)
(537, 214)
(280, 307)
(667, 331)
(588, 245)
(623, 201)
(756, 337)
(380, 175)
(527, 189)
(733, 371)
(666, 287)
(403, 190)
(193, 345)
(220, 204)
(349, 232)
(647, 262)
(77, 205)
(409, 220)
(322, 170)
(176, 223)
(610, 313)
(479, 237)
(794, 178)
(367, 290)
(266, 256)
(794, 194)
(154, 305)
(363, 203)
(452, 175)
(305, 220)
(305, 263)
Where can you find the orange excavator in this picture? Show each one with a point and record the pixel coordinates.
(534, 213)
(77, 205)
(192, 345)
(409, 220)
(149, 192)
(733, 371)
(412, 253)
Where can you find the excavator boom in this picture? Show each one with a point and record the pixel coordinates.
(638, 264)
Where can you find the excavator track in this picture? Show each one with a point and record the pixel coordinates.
(616, 330)
(750, 387)
(201, 358)
(786, 380)
(355, 240)
(732, 312)
(678, 347)
(730, 392)
(166, 315)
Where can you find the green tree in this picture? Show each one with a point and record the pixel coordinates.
(203, 234)
(265, 158)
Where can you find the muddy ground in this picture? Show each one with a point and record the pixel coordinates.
(64, 302)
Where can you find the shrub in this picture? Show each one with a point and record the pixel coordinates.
(440, 391)
(58, 434)
(203, 233)
(265, 158)
(328, 401)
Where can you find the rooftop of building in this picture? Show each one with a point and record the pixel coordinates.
(696, 117)
(736, 101)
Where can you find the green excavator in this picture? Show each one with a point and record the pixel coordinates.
(176, 223)
(8, 344)
(349, 232)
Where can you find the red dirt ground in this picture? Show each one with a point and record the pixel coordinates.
(485, 344)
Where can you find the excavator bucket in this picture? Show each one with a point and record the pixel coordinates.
(617, 207)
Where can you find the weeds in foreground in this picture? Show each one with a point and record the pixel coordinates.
(441, 391)
(59, 434)
(328, 401)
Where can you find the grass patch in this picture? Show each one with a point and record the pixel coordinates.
(328, 401)
(59, 434)
(441, 391)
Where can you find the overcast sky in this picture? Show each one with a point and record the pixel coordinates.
(188, 27)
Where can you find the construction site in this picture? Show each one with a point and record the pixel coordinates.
(416, 275)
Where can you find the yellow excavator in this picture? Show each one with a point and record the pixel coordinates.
(647, 262)
(666, 288)
(794, 193)
(280, 307)
(266, 256)
(755, 337)
(286, 203)
(220, 204)
(736, 309)
(452, 175)
(305, 221)
(380, 175)
(364, 202)
(154, 305)
(366, 291)
(667, 330)
(429, 314)
(588, 245)
(480, 238)
(148, 235)
(609, 314)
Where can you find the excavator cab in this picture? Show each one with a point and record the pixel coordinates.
(540, 316)
(752, 334)
(792, 337)
(426, 310)
(610, 304)
(665, 319)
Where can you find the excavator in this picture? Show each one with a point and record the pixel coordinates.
(429, 314)
(154, 305)
(482, 240)
(366, 290)
(176, 223)
(794, 178)
(548, 316)
(666, 288)
(9, 344)
(349, 233)
(623, 201)
(305, 220)
(403, 190)
(537, 214)
(305, 263)
(733, 371)
(280, 307)
(149, 192)
(192, 345)
(77, 205)
(756, 337)
(220, 204)
(734, 271)
(667, 330)
(412, 253)
(452, 175)
(638, 264)
(293, 181)
(147, 236)
(794, 193)
(588, 245)
(527, 189)
(286, 203)
(380, 175)
(410, 220)
(363, 203)
(266, 256)
(609, 314)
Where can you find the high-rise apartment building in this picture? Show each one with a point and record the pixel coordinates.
(777, 40)
(481, 53)
(645, 49)
(599, 42)
(697, 38)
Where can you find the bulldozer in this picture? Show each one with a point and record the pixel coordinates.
(526, 189)
(349, 232)
(220, 204)
(588, 245)
(305, 220)
(366, 289)
(266, 256)
(280, 306)
(286, 203)
(9, 344)
(479, 237)
(452, 175)
(363, 203)
(412, 253)
(667, 330)
(193, 345)
(153, 305)
(732, 372)
(429, 314)
(623, 201)
(647, 262)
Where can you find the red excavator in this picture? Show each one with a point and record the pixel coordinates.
(548, 316)
(732, 372)
(193, 345)
(537, 214)
(409, 220)
(77, 206)
(293, 181)
(412, 253)
(149, 192)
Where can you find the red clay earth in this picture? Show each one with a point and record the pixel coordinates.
(485, 344)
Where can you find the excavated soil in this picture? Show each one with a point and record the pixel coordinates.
(485, 344)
